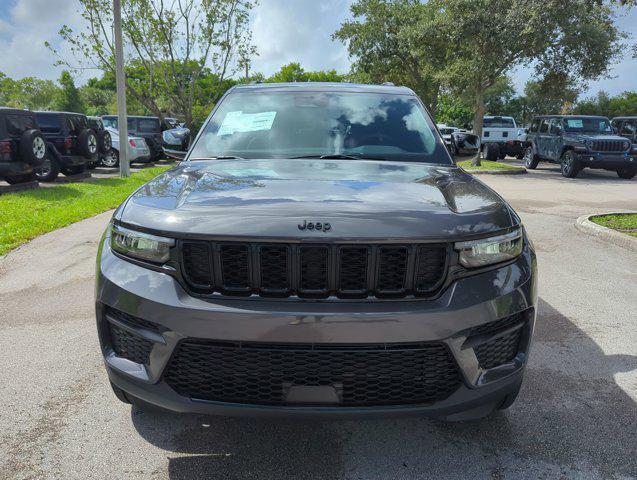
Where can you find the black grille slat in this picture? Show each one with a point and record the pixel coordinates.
(609, 146)
(363, 374)
(314, 270)
(314, 273)
(235, 267)
(392, 269)
(430, 267)
(274, 269)
(197, 266)
(352, 269)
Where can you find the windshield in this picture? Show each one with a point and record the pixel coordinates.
(313, 124)
(586, 124)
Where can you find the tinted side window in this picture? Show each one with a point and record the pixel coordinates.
(132, 124)
(629, 128)
(110, 122)
(535, 126)
(49, 123)
(149, 125)
(544, 126)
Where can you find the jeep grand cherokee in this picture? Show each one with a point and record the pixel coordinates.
(317, 253)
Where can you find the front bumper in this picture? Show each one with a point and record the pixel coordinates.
(607, 161)
(468, 303)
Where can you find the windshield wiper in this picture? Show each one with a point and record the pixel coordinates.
(219, 157)
(336, 156)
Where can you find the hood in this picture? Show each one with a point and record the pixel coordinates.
(583, 137)
(361, 200)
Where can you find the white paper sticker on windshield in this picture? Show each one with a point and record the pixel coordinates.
(575, 123)
(246, 122)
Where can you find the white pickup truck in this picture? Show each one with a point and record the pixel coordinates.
(501, 137)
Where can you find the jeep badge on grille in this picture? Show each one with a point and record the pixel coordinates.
(318, 226)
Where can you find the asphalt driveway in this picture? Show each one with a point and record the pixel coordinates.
(576, 416)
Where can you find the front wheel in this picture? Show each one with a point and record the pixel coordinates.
(570, 164)
(627, 173)
(530, 159)
(111, 159)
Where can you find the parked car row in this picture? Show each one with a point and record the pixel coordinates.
(40, 145)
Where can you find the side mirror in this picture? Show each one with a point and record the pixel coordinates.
(557, 130)
(526, 130)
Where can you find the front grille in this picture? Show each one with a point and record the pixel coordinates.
(499, 350)
(314, 270)
(127, 345)
(609, 146)
(360, 375)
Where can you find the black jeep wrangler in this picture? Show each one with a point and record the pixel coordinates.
(149, 128)
(577, 142)
(104, 140)
(71, 144)
(22, 145)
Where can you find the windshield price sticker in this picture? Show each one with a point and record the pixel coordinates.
(246, 122)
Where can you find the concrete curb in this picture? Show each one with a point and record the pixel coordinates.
(517, 171)
(583, 224)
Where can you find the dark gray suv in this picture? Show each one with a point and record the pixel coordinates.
(318, 253)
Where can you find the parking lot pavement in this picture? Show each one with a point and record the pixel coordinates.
(576, 416)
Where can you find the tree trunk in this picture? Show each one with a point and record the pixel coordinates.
(478, 120)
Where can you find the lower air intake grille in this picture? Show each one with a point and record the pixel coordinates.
(499, 350)
(360, 375)
(127, 345)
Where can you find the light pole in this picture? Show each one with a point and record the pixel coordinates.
(124, 166)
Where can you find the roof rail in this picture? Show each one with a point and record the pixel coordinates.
(389, 84)
(256, 82)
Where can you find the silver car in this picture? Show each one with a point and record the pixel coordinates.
(138, 150)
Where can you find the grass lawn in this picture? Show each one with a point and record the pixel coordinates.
(25, 215)
(486, 165)
(622, 222)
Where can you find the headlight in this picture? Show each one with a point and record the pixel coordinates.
(141, 245)
(626, 145)
(487, 251)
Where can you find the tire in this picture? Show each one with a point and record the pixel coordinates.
(49, 170)
(530, 159)
(23, 178)
(502, 156)
(120, 394)
(627, 173)
(104, 141)
(491, 152)
(33, 147)
(111, 159)
(570, 166)
(73, 170)
(87, 143)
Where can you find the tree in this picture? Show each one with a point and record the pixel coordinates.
(29, 92)
(68, 97)
(551, 94)
(169, 46)
(488, 38)
(397, 41)
(293, 72)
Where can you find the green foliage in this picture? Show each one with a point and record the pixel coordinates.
(68, 97)
(29, 92)
(624, 104)
(293, 72)
(397, 41)
(170, 46)
(452, 110)
(26, 215)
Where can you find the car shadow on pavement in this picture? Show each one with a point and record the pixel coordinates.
(572, 417)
